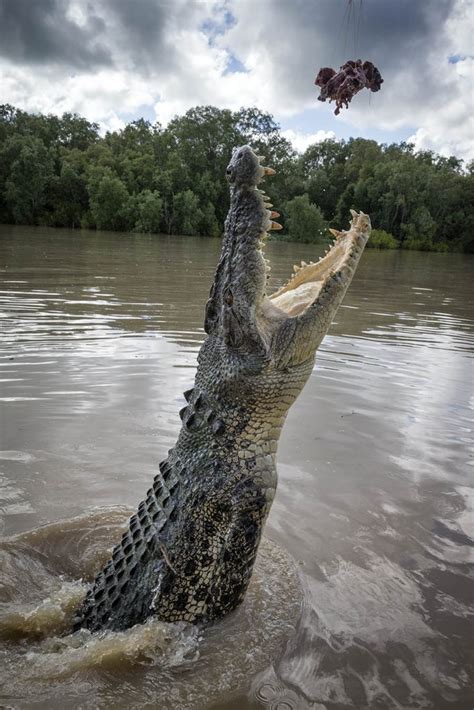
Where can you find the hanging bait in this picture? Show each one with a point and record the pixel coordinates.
(343, 85)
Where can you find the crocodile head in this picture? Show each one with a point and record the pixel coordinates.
(287, 326)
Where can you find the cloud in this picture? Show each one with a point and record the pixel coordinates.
(111, 58)
(449, 130)
(46, 32)
(301, 141)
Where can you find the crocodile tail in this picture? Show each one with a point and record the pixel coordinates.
(123, 591)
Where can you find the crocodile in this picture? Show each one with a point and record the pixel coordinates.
(188, 552)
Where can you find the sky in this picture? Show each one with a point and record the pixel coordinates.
(114, 61)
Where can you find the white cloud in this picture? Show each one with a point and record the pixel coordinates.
(459, 26)
(450, 129)
(95, 96)
(112, 122)
(301, 140)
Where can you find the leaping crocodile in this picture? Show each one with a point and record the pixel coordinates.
(189, 551)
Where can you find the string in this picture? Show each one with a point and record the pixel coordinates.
(341, 35)
(350, 25)
(359, 18)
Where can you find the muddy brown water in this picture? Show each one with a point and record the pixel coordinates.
(362, 593)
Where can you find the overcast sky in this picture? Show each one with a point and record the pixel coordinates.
(116, 60)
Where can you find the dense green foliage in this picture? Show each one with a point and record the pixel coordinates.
(304, 221)
(61, 172)
(380, 239)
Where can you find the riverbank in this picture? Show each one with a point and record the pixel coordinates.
(373, 243)
(59, 171)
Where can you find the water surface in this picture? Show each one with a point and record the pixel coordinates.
(362, 595)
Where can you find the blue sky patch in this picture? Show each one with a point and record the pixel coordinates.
(455, 58)
(213, 28)
(313, 120)
(235, 66)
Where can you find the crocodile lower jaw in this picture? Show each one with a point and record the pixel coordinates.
(307, 281)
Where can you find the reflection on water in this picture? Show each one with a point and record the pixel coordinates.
(99, 339)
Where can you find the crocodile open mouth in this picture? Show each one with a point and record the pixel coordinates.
(310, 283)
(308, 280)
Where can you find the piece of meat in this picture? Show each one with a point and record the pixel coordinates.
(343, 85)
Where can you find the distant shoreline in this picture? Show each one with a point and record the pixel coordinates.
(60, 172)
(275, 238)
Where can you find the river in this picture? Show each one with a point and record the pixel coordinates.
(362, 593)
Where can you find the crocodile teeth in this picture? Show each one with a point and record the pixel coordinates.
(296, 268)
(274, 215)
(275, 226)
(267, 205)
(336, 233)
(303, 264)
(269, 171)
(261, 157)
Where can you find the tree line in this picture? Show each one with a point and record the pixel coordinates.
(60, 172)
